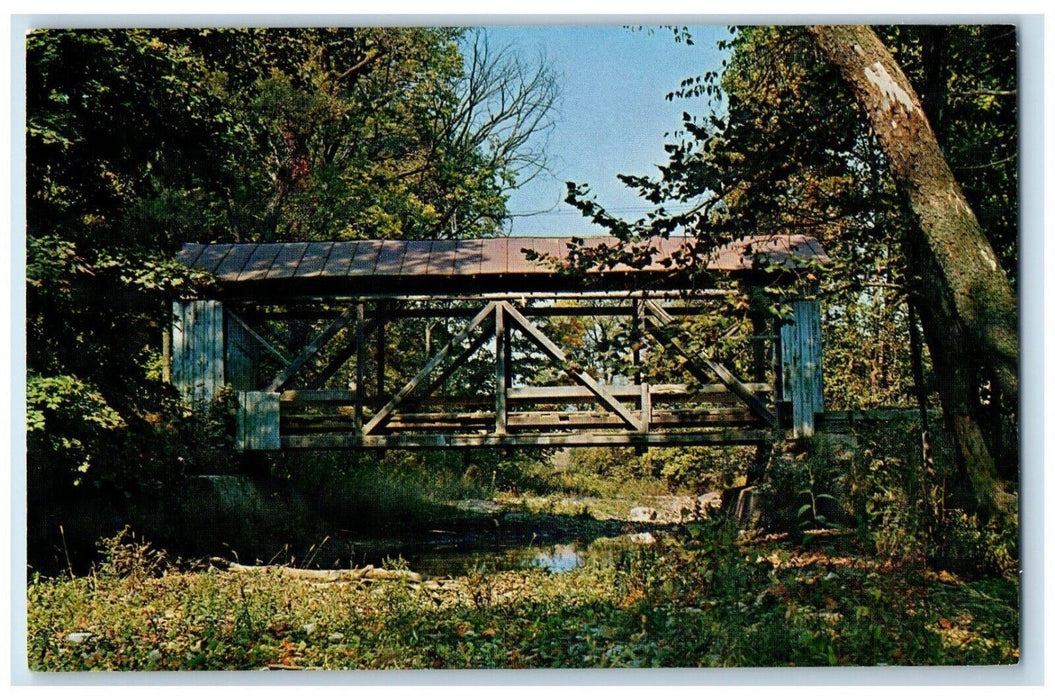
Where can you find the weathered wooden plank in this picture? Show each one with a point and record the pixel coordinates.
(211, 257)
(426, 441)
(287, 261)
(714, 393)
(231, 266)
(844, 419)
(216, 350)
(501, 371)
(294, 396)
(469, 257)
(260, 263)
(416, 258)
(436, 359)
(198, 350)
(199, 340)
(442, 258)
(340, 259)
(574, 394)
(311, 349)
(669, 419)
(258, 421)
(647, 416)
(189, 254)
(557, 355)
(366, 255)
(802, 379)
(179, 346)
(555, 420)
(390, 259)
(493, 257)
(360, 369)
(314, 260)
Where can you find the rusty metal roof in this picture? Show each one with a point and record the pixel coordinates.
(484, 264)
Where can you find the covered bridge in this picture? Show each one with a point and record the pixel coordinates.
(302, 332)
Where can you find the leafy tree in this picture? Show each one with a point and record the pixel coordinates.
(140, 140)
(785, 150)
(968, 310)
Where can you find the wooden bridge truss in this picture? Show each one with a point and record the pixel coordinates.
(311, 354)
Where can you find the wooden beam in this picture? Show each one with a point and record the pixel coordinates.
(343, 356)
(501, 370)
(557, 355)
(536, 420)
(576, 394)
(535, 394)
(662, 320)
(381, 310)
(456, 341)
(453, 366)
(312, 348)
(646, 407)
(844, 419)
(360, 317)
(345, 398)
(411, 442)
(257, 337)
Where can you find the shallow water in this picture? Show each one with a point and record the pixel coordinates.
(459, 560)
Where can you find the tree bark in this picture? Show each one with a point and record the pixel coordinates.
(966, 305)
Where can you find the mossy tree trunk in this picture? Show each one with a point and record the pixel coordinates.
(966, 305)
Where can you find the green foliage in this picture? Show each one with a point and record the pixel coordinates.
(64, 416)
(139, 140)
(803, 490)
(904, 507)
(710, 601)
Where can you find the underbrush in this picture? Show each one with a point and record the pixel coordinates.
(703, 599)
(877, 483)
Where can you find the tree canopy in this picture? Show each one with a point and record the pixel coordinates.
(139, 140)
(786, 148)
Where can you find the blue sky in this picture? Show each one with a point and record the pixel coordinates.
(613, 113)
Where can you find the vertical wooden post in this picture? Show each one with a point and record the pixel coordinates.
(759, 358)
(802, 375)
(509, 359)
(360, 357)
(501, 370)
(636, 336)
(379, 354)
(646, 407)
(166, 352)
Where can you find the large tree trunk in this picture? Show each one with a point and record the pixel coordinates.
(965, 301)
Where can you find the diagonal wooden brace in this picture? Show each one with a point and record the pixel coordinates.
(313, 347)
(456, 363)
(386, 412)
(557, 355)
(256, 336)
(345, 354)
(664, 322)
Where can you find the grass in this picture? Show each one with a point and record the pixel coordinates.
(699, 601)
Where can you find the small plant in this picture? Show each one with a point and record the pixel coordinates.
(125, 558)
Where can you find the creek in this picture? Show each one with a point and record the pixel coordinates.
(462, 558)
